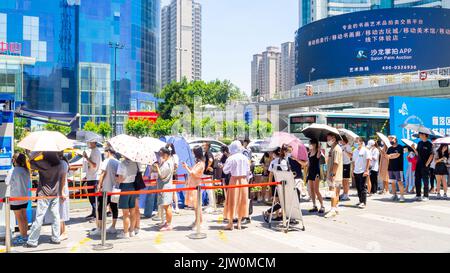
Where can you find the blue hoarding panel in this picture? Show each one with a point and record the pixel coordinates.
(383, 41)
(432, 113)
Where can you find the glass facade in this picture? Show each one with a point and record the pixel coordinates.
(73, 68)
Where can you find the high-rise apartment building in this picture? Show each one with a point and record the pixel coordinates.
(287, 66)
(266, 72)
(313, 10)
(181, 50)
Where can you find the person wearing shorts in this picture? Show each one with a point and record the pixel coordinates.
(334, 173)
(395, 168)
(126, 174)
(346, 161)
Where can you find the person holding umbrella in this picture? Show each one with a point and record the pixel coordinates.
(314, 175)
(361, 163)
(334, 172)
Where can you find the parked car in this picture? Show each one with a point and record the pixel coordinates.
(257, 146)
(215, 145)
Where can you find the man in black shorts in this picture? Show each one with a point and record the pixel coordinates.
(395, 168)
(425, 155)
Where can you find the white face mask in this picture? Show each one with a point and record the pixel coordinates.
(330, 143)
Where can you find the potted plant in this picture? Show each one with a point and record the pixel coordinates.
(257, 173)
(220, 196)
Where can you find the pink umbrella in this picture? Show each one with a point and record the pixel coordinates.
(298, 148)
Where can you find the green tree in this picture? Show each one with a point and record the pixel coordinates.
(183, 93)
(59, 128)
(104, 129)
(20, 130)
(162, 127)
(90, 126)
(138, 127)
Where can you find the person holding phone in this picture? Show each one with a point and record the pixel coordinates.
(165, 170)
(194, 179)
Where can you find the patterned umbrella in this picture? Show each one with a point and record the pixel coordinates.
(45, 141)
(133, 149)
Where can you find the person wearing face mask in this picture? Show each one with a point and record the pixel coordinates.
(395, 168)
(165, 170)
(346, 161)
(425, 156)
(374, 165)
(361, 164)
(410, 179)
(442, 156)
(334, 172)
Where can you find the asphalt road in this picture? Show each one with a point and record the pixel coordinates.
(384, 226)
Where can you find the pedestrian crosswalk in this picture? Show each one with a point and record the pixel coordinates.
(407, 223)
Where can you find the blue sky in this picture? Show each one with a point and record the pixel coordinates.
(234, 30)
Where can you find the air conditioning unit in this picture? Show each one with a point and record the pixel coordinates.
(444, 83)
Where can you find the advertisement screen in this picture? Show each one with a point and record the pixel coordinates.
(383, 41)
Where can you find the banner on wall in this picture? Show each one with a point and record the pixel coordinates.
(430, 112)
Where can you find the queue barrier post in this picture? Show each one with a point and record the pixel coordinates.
(7, 225)
(198, 235)
(103, 245)
(283, 189)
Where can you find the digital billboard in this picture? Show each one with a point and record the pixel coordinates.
(382, 41)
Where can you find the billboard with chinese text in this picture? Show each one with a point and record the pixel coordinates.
(383, 41)
(430, 112)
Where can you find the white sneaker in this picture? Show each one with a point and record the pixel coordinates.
(402, 199)
(123, 235)
(331, 213)
(95, 232)
(362, 206)
(131, 233)
(136, 231)
(425, 199)
(111, 230)
(444, 196)
(418, 198)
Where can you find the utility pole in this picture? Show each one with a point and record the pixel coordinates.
(115, 46)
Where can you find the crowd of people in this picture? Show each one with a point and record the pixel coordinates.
(366, 164)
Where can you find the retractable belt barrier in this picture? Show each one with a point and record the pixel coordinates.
(103, 245)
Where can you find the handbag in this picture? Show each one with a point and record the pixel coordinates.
(138, 180)
(115, 198)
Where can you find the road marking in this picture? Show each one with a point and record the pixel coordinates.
(174, 247)
(3, 250)
(158, 238)
(412, 224)
(432, 208)
(220, 219)
(305, 242)
(77, 246)
(222, 236)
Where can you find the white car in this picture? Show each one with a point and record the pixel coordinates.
(215, 145)
(256, 146)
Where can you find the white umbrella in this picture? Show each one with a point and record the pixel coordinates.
(385, 139)
(408, 142)
(151, 144)
(434, 135)
(444, 140)
(45, 141)
(350, 135)
(419, 128)
(320, 132)
(88, 136)
(133, 149)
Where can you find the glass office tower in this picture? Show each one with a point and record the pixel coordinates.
(65, 57)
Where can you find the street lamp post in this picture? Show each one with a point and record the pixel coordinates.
(116, 46)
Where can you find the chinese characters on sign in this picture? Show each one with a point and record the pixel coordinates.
(440, 124)
(10, 48)
(382, 34)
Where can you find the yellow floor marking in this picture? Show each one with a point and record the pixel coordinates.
(222, 236)
(76, 247)
(158, 238)
(3, 250)
(220, 219)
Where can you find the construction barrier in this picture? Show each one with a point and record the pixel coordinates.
(103, 245)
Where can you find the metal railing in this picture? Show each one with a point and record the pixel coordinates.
(361, 82)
